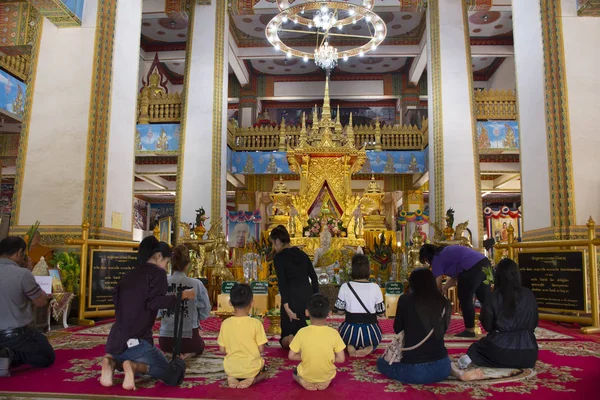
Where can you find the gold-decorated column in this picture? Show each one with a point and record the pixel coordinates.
(453, 161)
(203, 142)
(75, 162)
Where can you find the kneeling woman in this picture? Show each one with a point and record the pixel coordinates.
(137, 297)
(419, 312)
(197, 310)
(362, 301)
(510, 318)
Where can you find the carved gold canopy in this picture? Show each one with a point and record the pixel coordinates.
(326, 157)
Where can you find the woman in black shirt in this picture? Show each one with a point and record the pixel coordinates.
(510, 317)
(137, 297)
(293, 269)
(419, 312)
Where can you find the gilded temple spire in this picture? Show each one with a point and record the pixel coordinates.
(326, 112)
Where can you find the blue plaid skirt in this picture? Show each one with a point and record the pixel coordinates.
(360, 335)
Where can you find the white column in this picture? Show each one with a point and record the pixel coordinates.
(202, 162)
(451, 119)
(123, 116)
(531, 96)
(582, 59)
(54, 170)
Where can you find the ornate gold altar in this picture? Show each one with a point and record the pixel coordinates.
(325, 159)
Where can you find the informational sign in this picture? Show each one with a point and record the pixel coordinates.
(227, 286)
(260, 287)
(394, 288)
(556, 278)
(107, 269)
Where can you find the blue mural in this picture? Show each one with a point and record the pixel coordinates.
(260, 162)
(395, 162)
(497, 135)
(158, 137)
(12, 98)
(378, 162)
(76, 7)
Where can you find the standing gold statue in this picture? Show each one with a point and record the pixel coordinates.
(414, 259)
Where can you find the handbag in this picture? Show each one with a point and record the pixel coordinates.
(176, 369)
(393, 354)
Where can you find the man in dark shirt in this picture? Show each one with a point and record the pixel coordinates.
(20, 344)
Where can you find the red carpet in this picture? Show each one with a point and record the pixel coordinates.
(568, 368)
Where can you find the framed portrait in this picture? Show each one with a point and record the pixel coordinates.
(164, 225)
(57, 286)
(183, 230)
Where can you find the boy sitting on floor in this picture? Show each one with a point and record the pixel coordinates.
(243, 339)
(318, 347)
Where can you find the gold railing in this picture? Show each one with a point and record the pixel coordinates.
(496, 104)
(590, 243)
(373, 137)
(16, 65)
(159, 107)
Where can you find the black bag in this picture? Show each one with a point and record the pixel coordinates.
(176, 369)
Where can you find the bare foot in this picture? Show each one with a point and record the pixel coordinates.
(129, 370)
(364, 352)
(472, 375)
(108, 370)
(351, 351)
(322, 385)
(246, 383)
(232, 382)
(185, 356)
(306, 385)
(285, 342)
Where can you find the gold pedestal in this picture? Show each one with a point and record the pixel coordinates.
(275, 220)
(274, 324)
(374, 223)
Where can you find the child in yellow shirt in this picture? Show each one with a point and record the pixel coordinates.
(317, 346)
(243, 339)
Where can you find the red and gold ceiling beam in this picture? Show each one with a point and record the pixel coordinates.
(588, 8)
(57, 12)
(413, 5)
(15, 30)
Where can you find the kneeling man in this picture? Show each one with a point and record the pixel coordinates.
(20, 344)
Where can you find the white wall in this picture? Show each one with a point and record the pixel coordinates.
(582, 56)
(197, 174)
(53, 180)
(123, 118)
(529, 62)
(504, 78)
(336, 88)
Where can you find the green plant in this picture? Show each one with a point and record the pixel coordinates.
(29, 235)
(68, 264)
(489, 275)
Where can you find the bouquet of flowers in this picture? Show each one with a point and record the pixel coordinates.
(316, 224)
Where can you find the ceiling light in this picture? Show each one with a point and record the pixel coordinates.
(284, 19)
(368, 18)
(361, 53)
(345, 57)
(305, 58)
(289, 54)
(352, 12)
(324, 9)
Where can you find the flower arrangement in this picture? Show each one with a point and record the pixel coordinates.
(68, 264)
(382, 255)
(316, 224)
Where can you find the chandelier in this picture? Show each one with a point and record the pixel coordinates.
(326, 21)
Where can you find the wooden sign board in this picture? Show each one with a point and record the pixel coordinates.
(260, 287)
(556, 278)
(107, 269)
(227, 286)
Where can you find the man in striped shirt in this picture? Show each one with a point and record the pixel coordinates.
(20, 344)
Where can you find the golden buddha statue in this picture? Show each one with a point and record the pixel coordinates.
(414, 259)
(154, 87)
